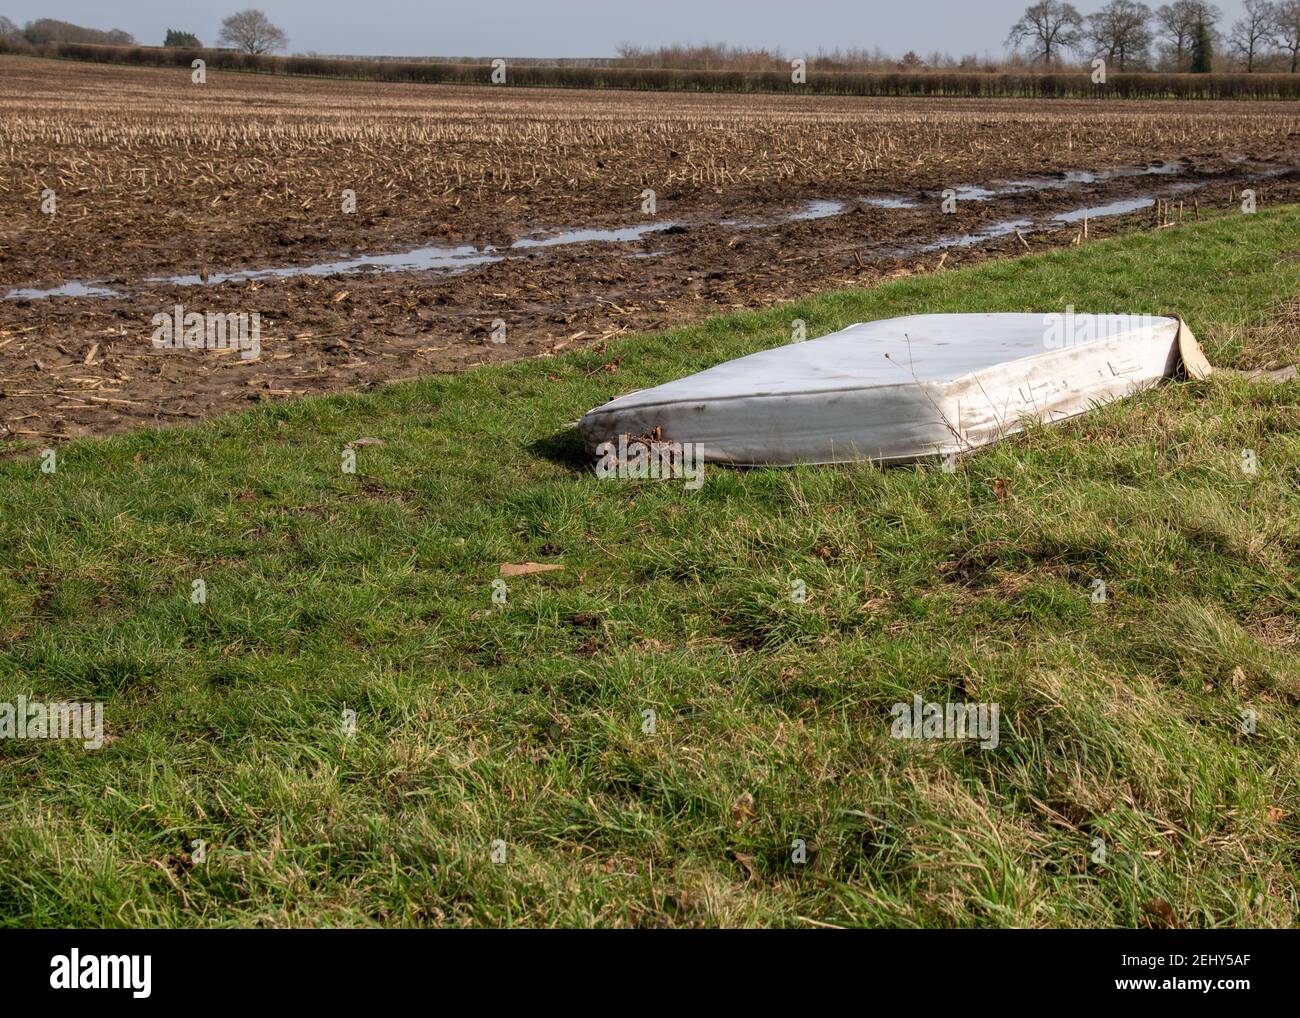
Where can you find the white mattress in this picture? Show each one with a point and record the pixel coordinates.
(897, 389)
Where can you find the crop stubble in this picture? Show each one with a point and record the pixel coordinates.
(157, 176)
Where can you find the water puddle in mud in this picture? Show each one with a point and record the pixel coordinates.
(73, 289)
(464, 257)
(421, 258)
(1071, 178)
(425, 258)
(1068, 179)
(973, 192)
(456, 259)
(890, 203)
(1124, 207)
(993, 232)
(1115, 208)
(1008, 227)
(818, 208)
(621, 236)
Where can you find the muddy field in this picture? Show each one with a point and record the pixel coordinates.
(494, 223)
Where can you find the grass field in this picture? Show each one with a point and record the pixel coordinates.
(522, 722)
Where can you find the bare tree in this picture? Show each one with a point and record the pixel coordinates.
(1048, 27)
(251, 31)
(1121, 32)
(7, 27)
(1250, 34)
(1286, 29)
(1178, 23)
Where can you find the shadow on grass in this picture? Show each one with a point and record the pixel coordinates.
(565, 448)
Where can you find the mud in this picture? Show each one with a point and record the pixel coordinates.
(349, 304)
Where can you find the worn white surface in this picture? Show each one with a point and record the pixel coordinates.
(898, 389)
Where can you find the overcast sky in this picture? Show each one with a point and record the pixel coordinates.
(571, 28)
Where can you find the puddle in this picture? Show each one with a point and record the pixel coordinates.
(1004, 229)
(972, 192)
(424, 258)
(817, 208)
(621, 236)
(455, 259)
(1157, 170)
(890, 203)
(464, 257)
(73, 289)
(1071, 178)
(421, 258)
(1161, 170)
(1115, 208)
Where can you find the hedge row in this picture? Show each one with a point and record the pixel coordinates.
(909, 83)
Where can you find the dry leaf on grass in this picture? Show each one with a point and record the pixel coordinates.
(1161, 914)
(528, 568)
(743, 809)
(747, 862)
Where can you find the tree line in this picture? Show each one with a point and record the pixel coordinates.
(1185, 36)
(1053, 35)
(249, 31)
(44, 30)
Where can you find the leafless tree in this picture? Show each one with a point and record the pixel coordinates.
(251, 31)
(1121, 32)
(1178, 22)
(1286, 29)
(1253, 32)
(1048, 27)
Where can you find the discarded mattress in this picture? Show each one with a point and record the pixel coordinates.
(902, 389)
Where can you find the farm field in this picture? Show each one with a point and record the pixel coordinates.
(492, 224)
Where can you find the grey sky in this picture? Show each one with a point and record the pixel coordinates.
(560, 28)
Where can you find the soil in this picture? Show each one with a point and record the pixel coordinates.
(77, 366)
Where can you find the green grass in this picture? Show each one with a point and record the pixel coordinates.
(523, 721)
